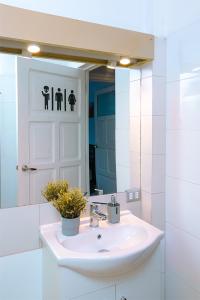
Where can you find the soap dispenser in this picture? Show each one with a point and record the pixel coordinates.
(113, 210)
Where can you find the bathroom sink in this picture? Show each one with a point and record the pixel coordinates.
(108, 249)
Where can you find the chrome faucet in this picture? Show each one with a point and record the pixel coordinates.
(95, 214)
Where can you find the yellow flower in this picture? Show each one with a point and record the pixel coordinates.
(70, 204)
(54, 189)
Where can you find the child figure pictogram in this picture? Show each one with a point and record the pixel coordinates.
(46, 96)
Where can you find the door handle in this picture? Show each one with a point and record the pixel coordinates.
(25, 168)
(94, 146)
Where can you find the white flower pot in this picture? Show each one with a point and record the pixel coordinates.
(70, 226)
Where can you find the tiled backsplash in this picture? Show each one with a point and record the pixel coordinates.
(19, 231)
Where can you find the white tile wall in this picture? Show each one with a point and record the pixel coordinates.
(123, 179)
(182, 103)
(178, 16)
(182, 165)
(156, 86)
(146, 206)
(153, 210)
(182, 255)
(153, 173)
(128, 128)
(135, 171)
(21, 276)
(48, 214)
(178, 289)
(19, 230)
(158, 129)
(134, 135)
(153, 136)
(158, 210)
(182, 159)
(135, 102)
(153, 94)
(159, 62)
(153, 127)
(183, 205)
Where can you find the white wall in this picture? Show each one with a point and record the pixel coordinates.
(177, 13)
(183, 159)
(130, 14)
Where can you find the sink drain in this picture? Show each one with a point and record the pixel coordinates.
(104, 250)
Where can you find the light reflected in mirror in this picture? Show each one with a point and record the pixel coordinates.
(55, 124)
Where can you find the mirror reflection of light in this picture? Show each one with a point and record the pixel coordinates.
(186, 75)
(111, 64)
(196, 69)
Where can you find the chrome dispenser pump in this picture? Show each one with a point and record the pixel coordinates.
(113, 210)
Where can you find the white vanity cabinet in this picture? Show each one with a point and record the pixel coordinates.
(143, 282)
(103, 294)
(142, 289)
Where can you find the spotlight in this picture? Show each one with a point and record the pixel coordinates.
(125, 61)
(33, 48)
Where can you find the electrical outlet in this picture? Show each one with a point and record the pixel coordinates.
(133, 195)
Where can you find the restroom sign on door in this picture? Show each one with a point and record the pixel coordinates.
(58, 99)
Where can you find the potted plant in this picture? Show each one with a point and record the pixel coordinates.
(69, 202)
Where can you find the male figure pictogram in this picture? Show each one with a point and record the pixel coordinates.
(46, 95)
(59, 99)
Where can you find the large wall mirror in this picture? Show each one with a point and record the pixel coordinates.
(57, 120)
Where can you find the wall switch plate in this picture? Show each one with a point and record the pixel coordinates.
(133, 195)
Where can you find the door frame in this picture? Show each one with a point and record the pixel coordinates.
(101, 92)
(88, 68)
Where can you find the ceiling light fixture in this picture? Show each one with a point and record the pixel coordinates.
(111, 64)
(33, 48)
(125, 61)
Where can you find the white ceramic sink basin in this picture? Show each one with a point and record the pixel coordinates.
(111, 239)
(108, 249)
